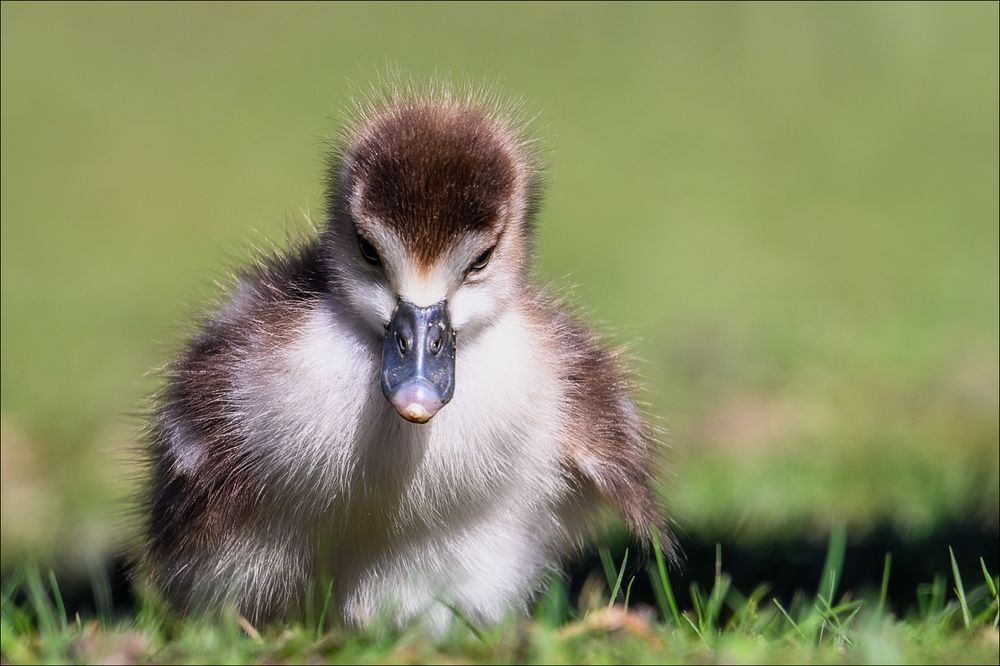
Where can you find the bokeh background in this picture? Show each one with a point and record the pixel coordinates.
(790, 211)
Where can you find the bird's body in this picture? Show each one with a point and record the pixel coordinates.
(277, 458)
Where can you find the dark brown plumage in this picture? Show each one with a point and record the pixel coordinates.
(432, 174)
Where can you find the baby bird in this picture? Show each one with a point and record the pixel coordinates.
(393, 404)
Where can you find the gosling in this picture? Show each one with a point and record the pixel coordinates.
(392, 404)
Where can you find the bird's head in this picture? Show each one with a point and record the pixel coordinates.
(429, 236)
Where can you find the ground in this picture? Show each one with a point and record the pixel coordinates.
(721, 627)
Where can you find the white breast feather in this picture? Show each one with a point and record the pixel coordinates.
(462, 508)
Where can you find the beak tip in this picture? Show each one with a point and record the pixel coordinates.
(415, 413)
(417, 402)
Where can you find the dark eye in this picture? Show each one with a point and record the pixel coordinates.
(481, 261)
(368, 251)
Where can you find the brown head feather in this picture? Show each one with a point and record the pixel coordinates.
(434, 166)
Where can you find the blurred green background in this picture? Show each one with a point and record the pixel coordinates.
(790, 210)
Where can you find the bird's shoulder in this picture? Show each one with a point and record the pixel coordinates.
(608, 444)
(263, 297)
(594, 370)
(262, 306)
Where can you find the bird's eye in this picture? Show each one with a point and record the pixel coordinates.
(481, 261)
(368, 251)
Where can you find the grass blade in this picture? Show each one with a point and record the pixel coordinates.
(698, 603)
(718, 594)
(993, 591)
(466, 621)
(39, 601)
(884, 590)
(695, 627)
(960, 589)
(608, 565)
(324, 613)
(834, 563)
(618, 581)
(664, 580)
(788, 617)
(628, 591)
(57, 596)
(989, 579)
(661, 597)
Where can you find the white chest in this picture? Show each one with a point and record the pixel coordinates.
(334, 446)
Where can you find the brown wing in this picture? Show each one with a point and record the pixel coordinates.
(611, 447)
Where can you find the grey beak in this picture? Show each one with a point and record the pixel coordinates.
(418, 360)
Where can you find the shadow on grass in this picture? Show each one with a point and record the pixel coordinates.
(785, 567)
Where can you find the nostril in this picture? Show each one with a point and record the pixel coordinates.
(402, 343)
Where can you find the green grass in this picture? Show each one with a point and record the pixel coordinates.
(722, 627)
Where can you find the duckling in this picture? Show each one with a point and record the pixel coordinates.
(393, 403)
